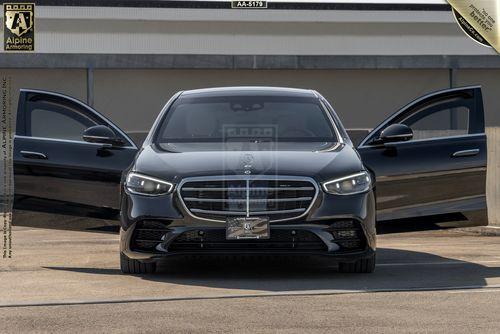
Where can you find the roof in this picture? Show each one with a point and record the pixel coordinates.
(250, 90)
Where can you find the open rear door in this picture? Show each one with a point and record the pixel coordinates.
(439, 173)
(55, 170)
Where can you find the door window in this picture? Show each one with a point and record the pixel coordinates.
(439, 121)
(56, 121)
(55, 116)
(447, 113)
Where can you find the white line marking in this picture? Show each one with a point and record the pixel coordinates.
(78, 240)
(463, 262)
(475, 291)
(252, 295)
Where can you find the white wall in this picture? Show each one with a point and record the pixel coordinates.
(261, 32)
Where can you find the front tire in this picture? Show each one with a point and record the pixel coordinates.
(131, 266)
(366, 265)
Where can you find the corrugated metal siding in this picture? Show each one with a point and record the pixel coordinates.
(223, 31)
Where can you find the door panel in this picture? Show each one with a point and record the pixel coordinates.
(54, 169)
(76, 172)
(411, 177)
(443, 169)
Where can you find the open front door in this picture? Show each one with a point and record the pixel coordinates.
(440, 170)
(55, 169)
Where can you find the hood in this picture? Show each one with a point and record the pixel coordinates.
(319, 161)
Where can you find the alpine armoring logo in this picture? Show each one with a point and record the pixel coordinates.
(248, 138)
(19, 32)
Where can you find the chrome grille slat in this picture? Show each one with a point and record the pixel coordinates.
(244, 189)
(215, 198)
(252, 200)
(239, 213)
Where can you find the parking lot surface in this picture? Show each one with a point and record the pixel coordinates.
(65, 276)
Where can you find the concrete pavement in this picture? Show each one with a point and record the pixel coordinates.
(62, 280)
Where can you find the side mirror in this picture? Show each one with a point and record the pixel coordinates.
(103, 135)
(396, 132)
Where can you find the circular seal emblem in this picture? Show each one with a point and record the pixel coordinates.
(469, 30)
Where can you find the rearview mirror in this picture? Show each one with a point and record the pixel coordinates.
(396, 132)
(103, 135)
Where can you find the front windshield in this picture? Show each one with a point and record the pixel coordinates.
(246, 119)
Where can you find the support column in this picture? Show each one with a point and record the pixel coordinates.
(90, 86)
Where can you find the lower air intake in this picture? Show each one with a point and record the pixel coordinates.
(215, 240)
(147, 235)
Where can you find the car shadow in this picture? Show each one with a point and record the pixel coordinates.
(397, 269)
(63, 222)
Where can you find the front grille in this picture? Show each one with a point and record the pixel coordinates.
(276, 198)
(215, 240)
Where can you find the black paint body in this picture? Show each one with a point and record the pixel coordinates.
(440, 177)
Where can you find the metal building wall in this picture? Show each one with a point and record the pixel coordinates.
(121, 30)
(133, 97)
(361, 97)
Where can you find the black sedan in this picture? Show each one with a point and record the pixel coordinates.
(253, 170)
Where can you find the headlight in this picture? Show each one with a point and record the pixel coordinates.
(352, 184)
(147, 185)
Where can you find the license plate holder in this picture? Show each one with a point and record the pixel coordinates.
(238, 228)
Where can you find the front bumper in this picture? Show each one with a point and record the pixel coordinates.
(316, 228)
